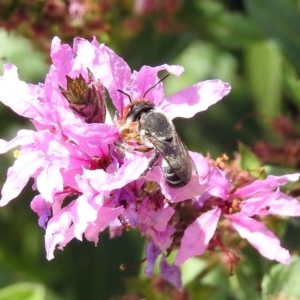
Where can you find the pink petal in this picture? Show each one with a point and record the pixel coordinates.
(59, 232)
(199, 97)
(162, 239)
(283, 205)
(202, 165)
(49, 181)
(161, 220)
(146, 79)
(18, 175)
(152, 252)
(104, 217)
(113, 72)
(91, 137)
(84, 211)
(275, 203)
(217, 183)
(61, 55)
(268, 184)
(171, 273)
(158, 219)
(42, 208)
(21, 97)
(197, 236)
(261, 238)
(24, 137)
(255, 205)
(129, 171)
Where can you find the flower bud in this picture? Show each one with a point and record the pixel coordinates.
(87, 99)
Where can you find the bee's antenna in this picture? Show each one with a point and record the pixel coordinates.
(125, 95)
(155, 85)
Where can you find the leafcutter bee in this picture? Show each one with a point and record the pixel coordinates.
(157, 132)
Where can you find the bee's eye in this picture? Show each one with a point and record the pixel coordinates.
(169, 139)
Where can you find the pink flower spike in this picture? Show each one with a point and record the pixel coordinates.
(199, 97)
(261, 238)
(197, 236)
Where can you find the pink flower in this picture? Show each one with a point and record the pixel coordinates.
(61, 149)
(144, 85)
(257, 199)
(72, 154)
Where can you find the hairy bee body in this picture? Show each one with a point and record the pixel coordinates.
(157, 132)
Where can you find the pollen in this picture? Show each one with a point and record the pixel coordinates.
(16, 154)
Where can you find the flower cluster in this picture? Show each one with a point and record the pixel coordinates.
(90, 174)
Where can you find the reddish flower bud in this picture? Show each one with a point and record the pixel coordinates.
(86, 98)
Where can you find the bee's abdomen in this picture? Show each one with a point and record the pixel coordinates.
(172, 179)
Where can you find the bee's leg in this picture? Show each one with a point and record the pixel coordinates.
(142, 149)
(151, 162)
(121, 145)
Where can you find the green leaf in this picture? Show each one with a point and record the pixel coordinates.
(142, 287)
(28, 291)
(18, 51)
(280, 21)
(198, 290)
(243, 286)
(282, 281)
(278, 171)
(23, 291)
(249, 160)
(291, 83)
(191, 269)
(263, 67)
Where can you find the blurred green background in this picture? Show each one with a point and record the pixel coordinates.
(252, 44)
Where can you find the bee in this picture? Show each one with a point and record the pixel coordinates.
(156, 132)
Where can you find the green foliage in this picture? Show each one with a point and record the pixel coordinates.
(264, 70)
(26, 291)
(249, 160)
(280, 22)
(282, 281)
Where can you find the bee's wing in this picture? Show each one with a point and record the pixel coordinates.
(176, 155)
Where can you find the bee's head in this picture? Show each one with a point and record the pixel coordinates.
(136, 109)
